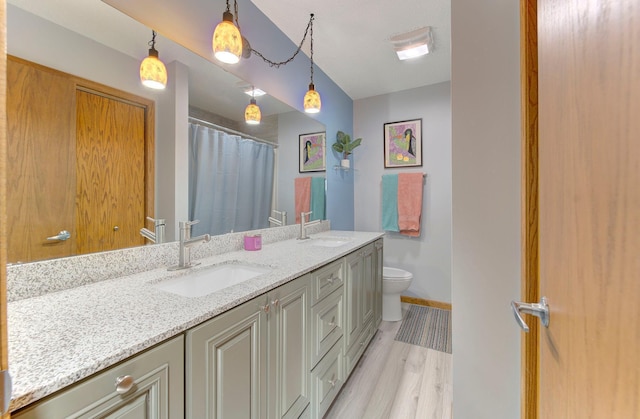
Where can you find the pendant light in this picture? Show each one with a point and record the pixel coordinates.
(153, 73)
(312, 102)
(252, 114)
(227, 41)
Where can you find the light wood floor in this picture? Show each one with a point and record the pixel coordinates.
(396, 380)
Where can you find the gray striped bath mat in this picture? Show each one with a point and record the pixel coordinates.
(426, 326)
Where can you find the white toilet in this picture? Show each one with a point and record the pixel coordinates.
(394, 281)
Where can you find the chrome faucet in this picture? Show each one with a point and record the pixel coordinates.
(186, 243)
(303, 225)
(157, 235)
(282, 221)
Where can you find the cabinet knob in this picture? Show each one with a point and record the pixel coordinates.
(330, 279)
(266, 308)
(333, 381)
(124, 383)
(275, 302)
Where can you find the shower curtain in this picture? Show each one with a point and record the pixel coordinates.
(230, 181)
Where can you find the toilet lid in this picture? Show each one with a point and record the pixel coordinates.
(395, 273)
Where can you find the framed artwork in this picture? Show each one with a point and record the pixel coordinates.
(403, 143)
(312, 156)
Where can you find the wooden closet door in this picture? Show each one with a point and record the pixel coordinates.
(110, 170)
(40, 162)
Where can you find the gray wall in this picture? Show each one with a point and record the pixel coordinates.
(485, 87)
(429, 256)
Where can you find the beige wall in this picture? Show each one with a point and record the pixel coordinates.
(486, 208)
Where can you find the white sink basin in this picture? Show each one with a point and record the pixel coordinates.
(328, 241)
(206, 281)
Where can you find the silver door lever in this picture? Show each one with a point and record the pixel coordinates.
(540, 309)
(62, 236)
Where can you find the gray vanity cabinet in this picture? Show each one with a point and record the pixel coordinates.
(147, 386)
(378, 282)
(252, 361)
(360, 301)
(289, 383)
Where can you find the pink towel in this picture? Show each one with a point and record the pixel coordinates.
(409, 203)
(302, 195)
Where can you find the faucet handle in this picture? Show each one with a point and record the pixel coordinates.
(187, 224)
(157, 221)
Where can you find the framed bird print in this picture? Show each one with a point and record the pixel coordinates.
(312, 156)
(403, 143)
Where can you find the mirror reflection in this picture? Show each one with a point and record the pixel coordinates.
(154, 156)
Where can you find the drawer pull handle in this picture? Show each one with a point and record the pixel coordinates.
(124, 384)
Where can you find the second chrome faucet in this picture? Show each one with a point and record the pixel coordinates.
(186, 243)
(303, 225)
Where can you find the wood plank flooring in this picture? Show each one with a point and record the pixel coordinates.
(396, 380)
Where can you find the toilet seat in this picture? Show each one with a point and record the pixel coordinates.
(395, 274)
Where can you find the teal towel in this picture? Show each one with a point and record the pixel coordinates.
(317, 198)
(390, 203)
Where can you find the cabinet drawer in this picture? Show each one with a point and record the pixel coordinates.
(327, 379)
(326, 280)
(356, 351)
(326, 324)
(156, 392)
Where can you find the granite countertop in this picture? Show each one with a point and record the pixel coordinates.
(60, 338)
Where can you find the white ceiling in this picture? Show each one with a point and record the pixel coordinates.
(351, 41)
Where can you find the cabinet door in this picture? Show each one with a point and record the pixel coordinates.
(289, 349)
(155, 383)
(353, 300)
(378, 282)
(368, 283)
(226, 364)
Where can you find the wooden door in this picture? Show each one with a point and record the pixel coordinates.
(41, 182)
(589, 160)
(4, 358)
(110, 149)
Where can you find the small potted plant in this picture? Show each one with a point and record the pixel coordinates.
(345, 146)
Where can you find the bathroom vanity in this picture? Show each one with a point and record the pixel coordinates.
(280, 344)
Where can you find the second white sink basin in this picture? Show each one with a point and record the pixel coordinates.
(328, 241)
(206, 281)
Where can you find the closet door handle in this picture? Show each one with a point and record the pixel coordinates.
(62, 236)
(540, 310)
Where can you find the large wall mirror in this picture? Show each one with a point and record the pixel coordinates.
(109, 53)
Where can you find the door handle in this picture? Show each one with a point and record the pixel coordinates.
(540, 310)
(62, 236)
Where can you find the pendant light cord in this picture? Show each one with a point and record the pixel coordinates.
(152, 43)
(281, 63)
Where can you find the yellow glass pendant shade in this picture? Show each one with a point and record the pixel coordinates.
(227, 41)
(312, 102)
(153, 73)
(252, 114)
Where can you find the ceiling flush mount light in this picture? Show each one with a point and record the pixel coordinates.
(312, 102)
(255, 92)
(227, 41)
(413, 44)
(153, 73)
